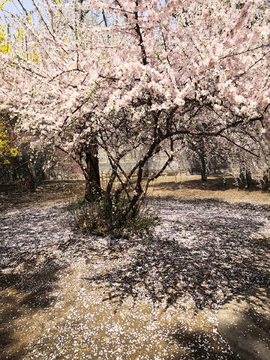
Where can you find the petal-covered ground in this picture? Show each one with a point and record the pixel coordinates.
(70, 296)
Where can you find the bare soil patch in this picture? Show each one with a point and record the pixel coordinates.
(68, 296)
(178, 186)
(191, 187)
(48, 192)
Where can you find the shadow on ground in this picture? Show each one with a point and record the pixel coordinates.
(201, 345)
(22, 295)
(212, 184)
(225, 259)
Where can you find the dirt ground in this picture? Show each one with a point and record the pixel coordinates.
(178, 186)
(191, 187)
(47, 192)
(68, 296)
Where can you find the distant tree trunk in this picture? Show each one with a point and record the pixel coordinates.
(35, 180)
(92, 175)
(241, 179)
(249, 179)
(265, 181)
(32, 183)
(203, 167)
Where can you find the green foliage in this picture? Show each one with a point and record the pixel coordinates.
(101, 218)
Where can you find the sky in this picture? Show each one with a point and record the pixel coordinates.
(14, 5)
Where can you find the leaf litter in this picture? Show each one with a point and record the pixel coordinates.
(68, 296)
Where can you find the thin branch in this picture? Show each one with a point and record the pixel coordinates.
(44, 22)
(241, 147)
(67, 71)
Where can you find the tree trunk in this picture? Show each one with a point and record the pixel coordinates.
(249, 179)
(241, 180)
(265, 181)
(92, 175)
(203, 168)
(32, 182)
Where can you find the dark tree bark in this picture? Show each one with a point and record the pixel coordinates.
(249, 179)
(265, 181)
(203, 167)
(241, 180)
(92, 175)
